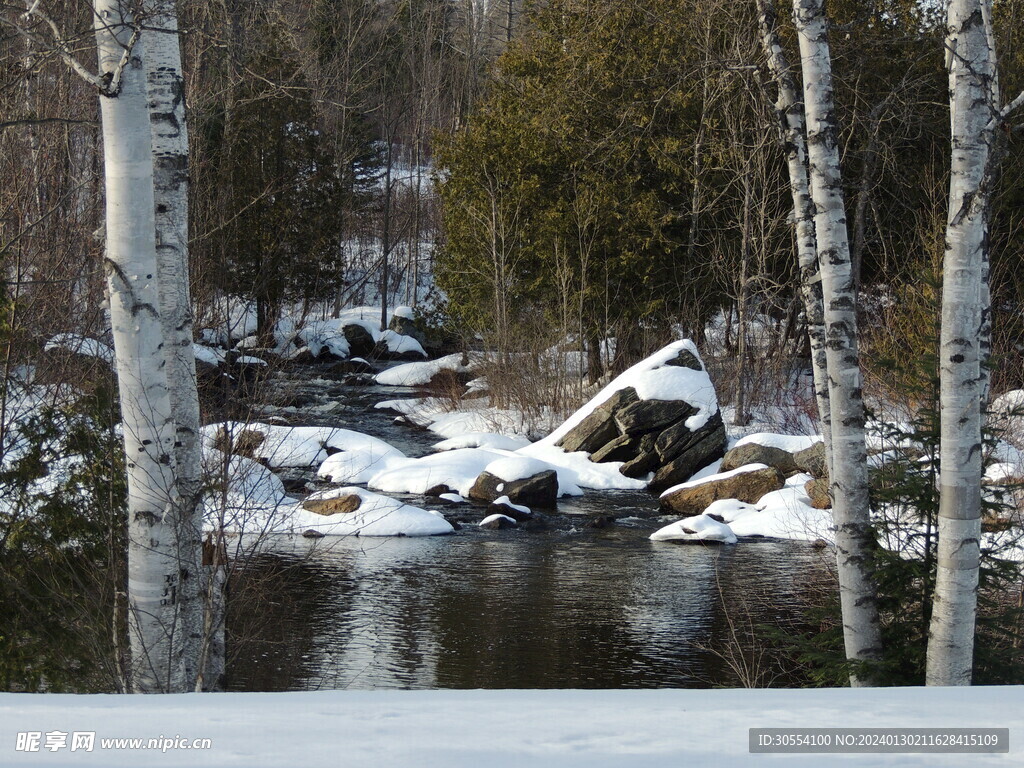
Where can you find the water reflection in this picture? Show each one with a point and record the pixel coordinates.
(505, 609)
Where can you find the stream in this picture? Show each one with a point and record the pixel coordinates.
(560, 606)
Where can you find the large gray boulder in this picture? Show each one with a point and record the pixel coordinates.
(650, 436)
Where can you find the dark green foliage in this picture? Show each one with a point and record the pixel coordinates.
(62, 540)
(276, 184)
(567, 192)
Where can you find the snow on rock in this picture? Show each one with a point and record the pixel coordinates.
(713, 478)
(282, 446)
(699, 528)
(516, 468)
(491, 440)
(653, 379)
(783, 514)
(497, 521)
(324, 335)
(399, 344)
(208, 355)
(80, 345)
(417, 374)
(376, 516)
(454, 498)
(789, 443)
(457, 469)
(505, 501)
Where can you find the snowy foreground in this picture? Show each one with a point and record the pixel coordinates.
(456, 729)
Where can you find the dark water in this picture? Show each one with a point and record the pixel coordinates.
(563, 607)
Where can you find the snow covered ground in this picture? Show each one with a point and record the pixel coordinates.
(457, 729)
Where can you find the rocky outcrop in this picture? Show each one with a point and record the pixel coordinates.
(539, 490)
(747, 486)
(649, 436)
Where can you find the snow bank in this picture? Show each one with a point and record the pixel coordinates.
(503, 729)
(307, 446)
(418, 374)
(491, 440)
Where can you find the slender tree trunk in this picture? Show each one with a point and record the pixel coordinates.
(741, 417)
(154, 585)
(790, 110)
(848, 478)
(170, 183)
(971, 64)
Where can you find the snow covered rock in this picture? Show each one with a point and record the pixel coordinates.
(497, 522)
(701, 529)
(504, 506)
(747, 484)
(659, 416)
(519, 479)
(376, 515)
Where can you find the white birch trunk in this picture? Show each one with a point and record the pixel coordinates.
(848, 479)
(132, 284)
(165, 89)
(790, 110)
(962, 377)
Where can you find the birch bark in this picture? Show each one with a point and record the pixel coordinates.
(848, 478)
(132, 283)
(165, 91)
(790, 110)
(970, 61)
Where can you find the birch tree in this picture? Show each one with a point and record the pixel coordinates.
(169, 133)
(964, 337)
(133, 276)
(848, 477)
(789, 108)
